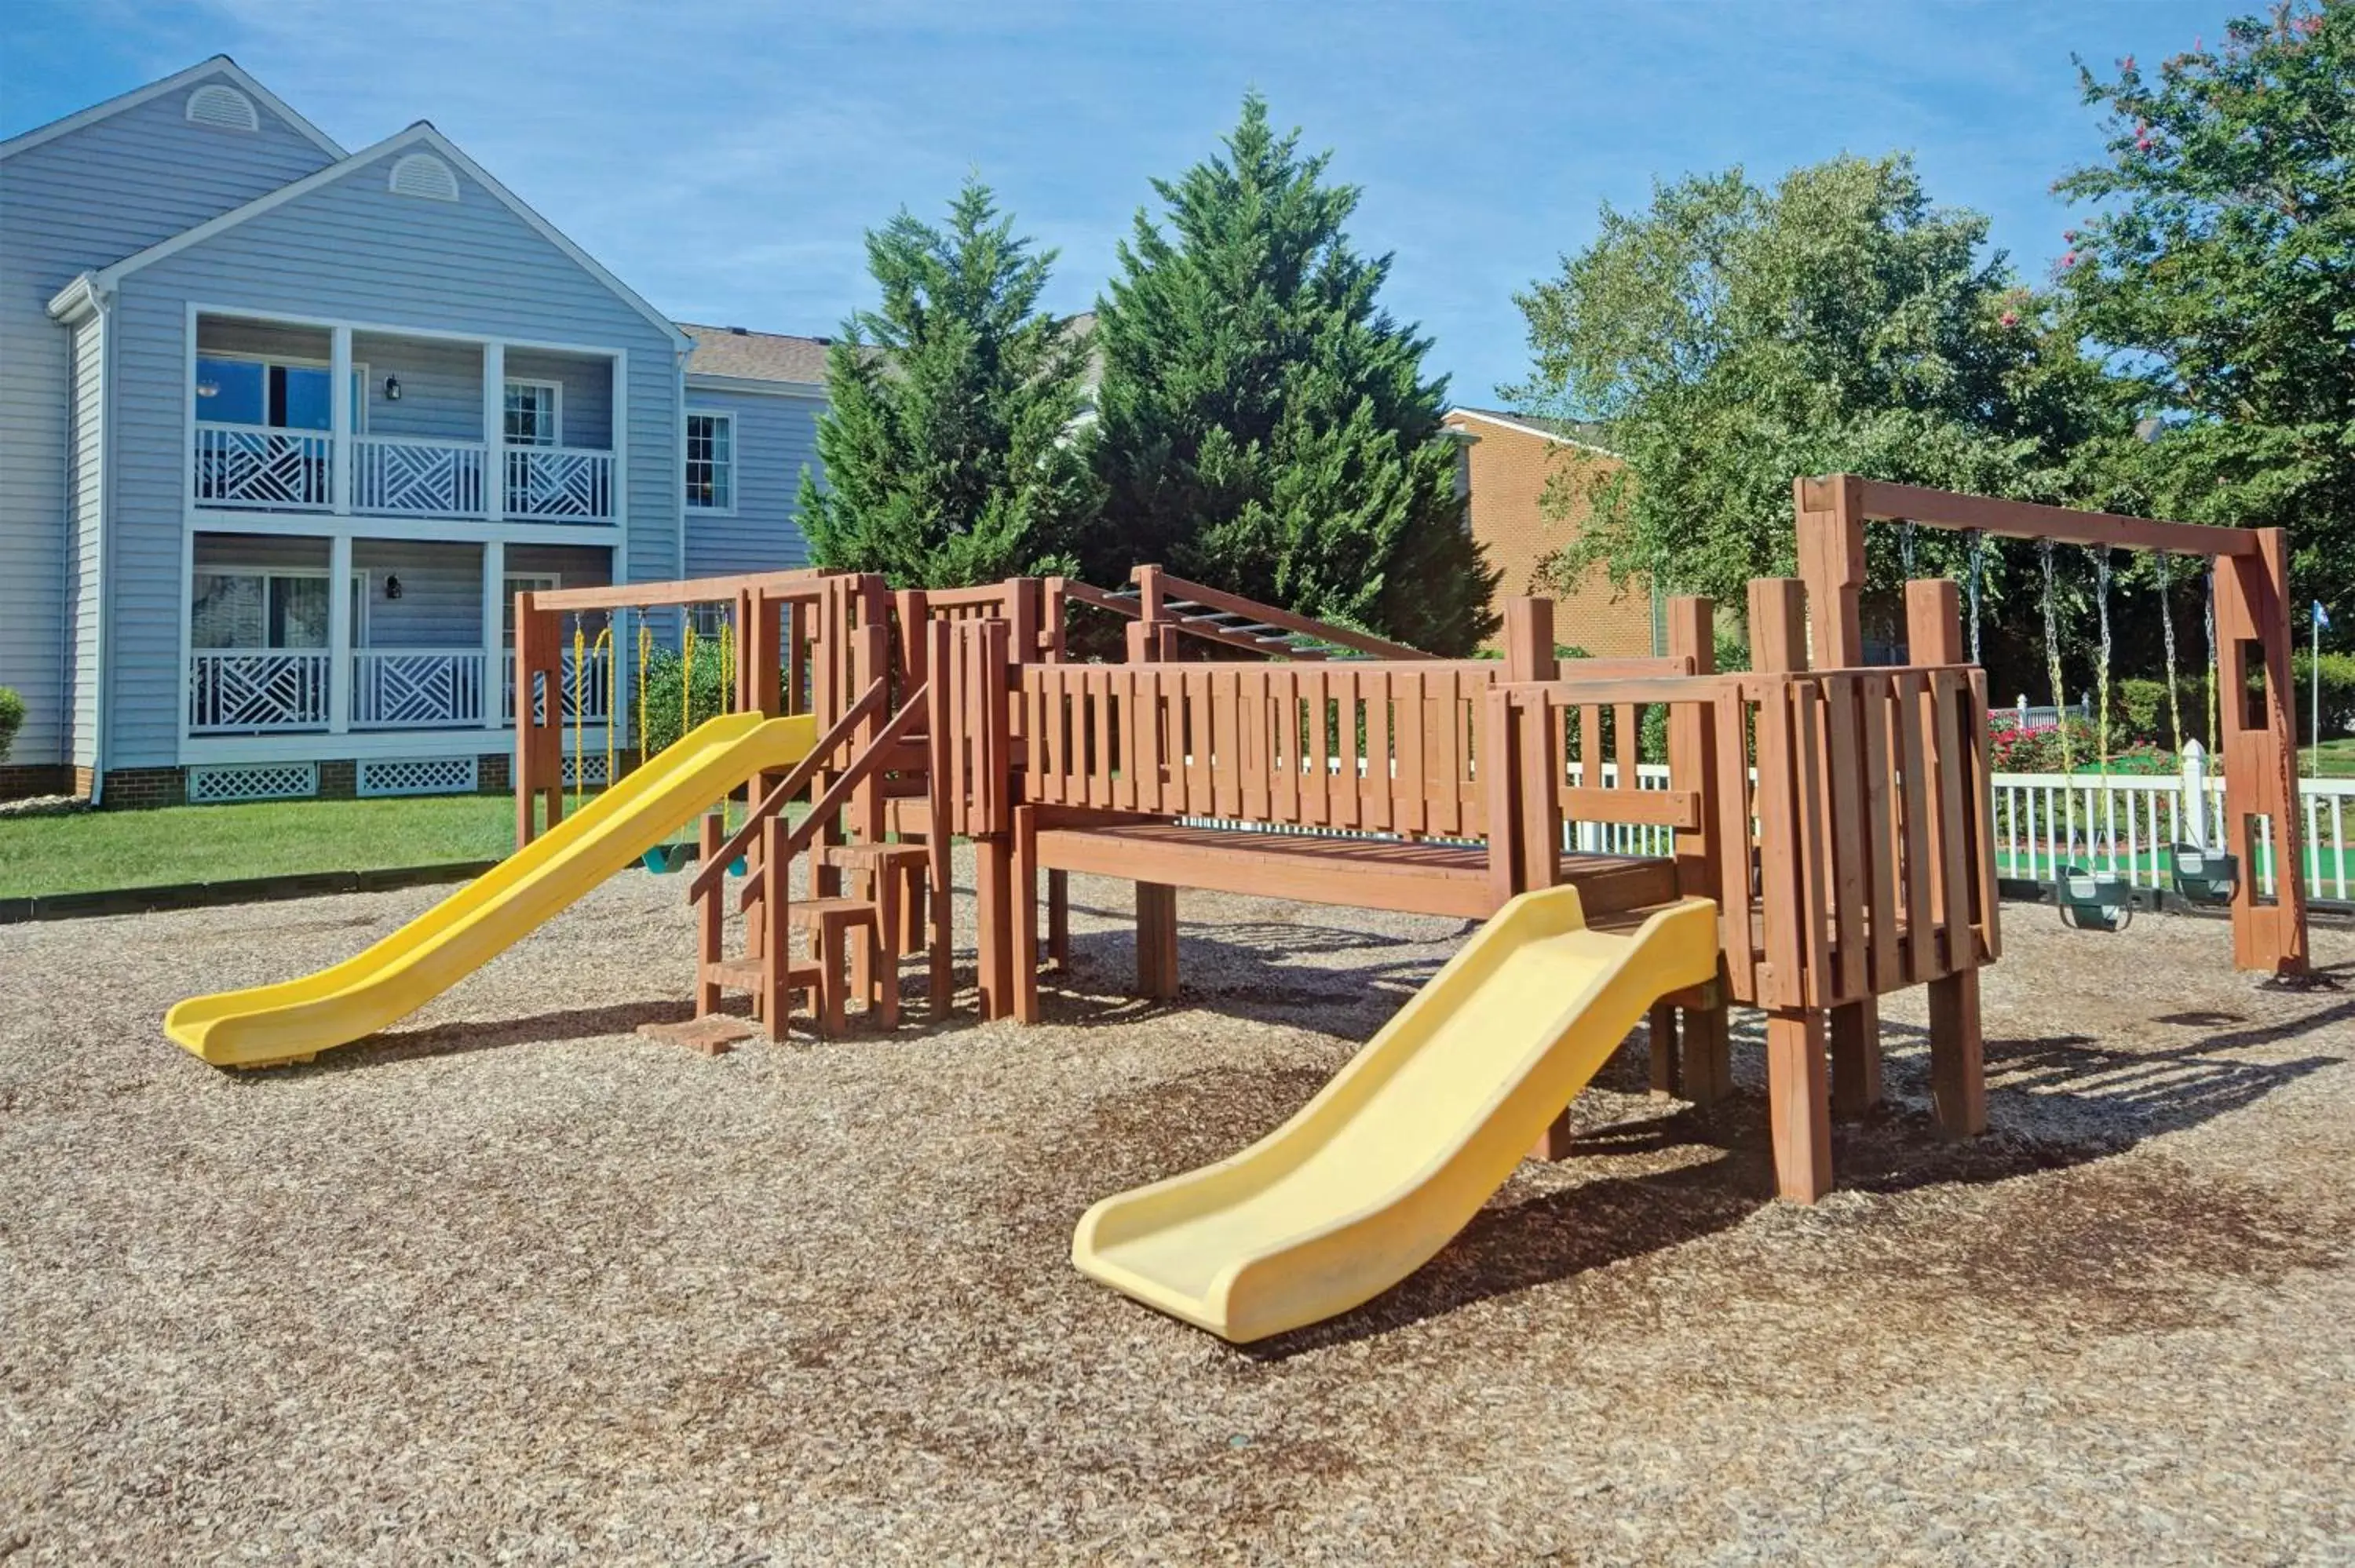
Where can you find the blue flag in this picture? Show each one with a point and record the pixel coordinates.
(2321, 616)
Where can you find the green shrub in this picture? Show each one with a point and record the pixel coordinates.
(659, 725)
(2337, 693)
(12, 719)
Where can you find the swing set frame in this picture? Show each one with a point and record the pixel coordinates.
(2256, 696)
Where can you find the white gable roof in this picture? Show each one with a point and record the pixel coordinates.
(219, 66)
(422, 135)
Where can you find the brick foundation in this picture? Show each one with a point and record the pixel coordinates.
(137, 788)
(339, 779)
(21, 779)
(493, 774)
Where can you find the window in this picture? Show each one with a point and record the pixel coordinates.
(513, 583)
(711, 461)
(255, 606)
(285, 395)
(535, 413)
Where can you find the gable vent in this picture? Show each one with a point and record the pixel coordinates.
(223, 109)
(423, 174)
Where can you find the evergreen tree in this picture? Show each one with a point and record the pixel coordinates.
(946, 440)
(1264, 427)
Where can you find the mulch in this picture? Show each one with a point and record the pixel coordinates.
(513, 1283)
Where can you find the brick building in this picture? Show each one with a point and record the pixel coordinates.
(1507, 460)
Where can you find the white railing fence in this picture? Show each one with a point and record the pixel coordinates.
(2123, 827)
(2024, 715)
(244, 689)
(266, 468)
(587, 689)
(416, 688)
(559, 483)
(398, 475)
(252, 465)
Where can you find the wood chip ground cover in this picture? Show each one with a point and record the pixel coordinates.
(511, 1284)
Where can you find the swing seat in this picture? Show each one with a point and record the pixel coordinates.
(2204, 876)
(664, 859)
(2094, 903)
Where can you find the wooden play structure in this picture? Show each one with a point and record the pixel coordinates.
(1837, 814)
(1831, 820)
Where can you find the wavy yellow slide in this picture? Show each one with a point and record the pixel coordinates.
(1396, 1154)
(296, 1019)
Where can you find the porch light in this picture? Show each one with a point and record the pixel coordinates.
(392, 587)
(208, 388)
(392, 388)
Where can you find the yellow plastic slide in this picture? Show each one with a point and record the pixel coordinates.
(292, 1020)
(1397, 1153)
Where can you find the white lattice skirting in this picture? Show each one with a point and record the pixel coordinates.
(418, 776)
(591, 769)
(253, 781)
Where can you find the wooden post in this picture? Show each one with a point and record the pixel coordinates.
(1149, 642)
(1157, 941)
(539, 741)
(1798, 1091)
(710, 914)
(993, 886)
(1795, 1089)
(1830, 513)
(2260, 745)
(776, 931)
(1705, 1043)
(1529, 640)
(1025, 915)
(1933, 635)
(1662, 1035)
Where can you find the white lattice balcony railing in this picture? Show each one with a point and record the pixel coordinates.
(586, 697)
(566, 485)
(399, 476)
(263, 467)
(416, 688)
(243, 690)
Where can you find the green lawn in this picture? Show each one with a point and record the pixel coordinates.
(2332, 759)
(95, 850)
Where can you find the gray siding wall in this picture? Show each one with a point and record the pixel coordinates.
(71, 205)
(441, 387)
(349, 251)
(776, 437)
(440, 602)
(86, 444)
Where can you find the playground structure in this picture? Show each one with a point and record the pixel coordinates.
(1823, 826)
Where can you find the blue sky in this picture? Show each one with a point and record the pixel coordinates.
(725, 157)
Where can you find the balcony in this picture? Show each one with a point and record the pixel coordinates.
(286, 691)
(297, 418)
(301, 643)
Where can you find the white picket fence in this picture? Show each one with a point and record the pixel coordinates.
(2123, 826)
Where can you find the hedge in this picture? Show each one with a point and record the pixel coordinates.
(12, 719)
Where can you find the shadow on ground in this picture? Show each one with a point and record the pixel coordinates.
(2056, 1102)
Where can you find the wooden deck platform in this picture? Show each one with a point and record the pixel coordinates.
(1420, 878)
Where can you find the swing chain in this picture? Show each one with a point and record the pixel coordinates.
(1906, 550)
(1979, 566)
(2212, 663)
(2101, 670)
(2166, 636)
